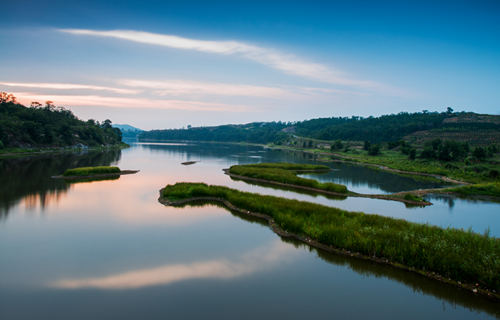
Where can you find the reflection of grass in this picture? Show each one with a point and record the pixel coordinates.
(287, 173)
(87, 171)
(484, 189)
(457, 254)
(83, 180)
(291, 188)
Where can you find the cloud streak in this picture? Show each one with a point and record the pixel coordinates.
(124, 102)
(285, 62)
(181, 87)
(67, 86)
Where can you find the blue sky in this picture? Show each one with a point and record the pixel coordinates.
(167, 64)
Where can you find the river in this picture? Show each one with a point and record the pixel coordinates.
(108, 249)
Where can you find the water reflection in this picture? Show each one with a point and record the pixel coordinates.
(109, 247)
(366, 180)
(418, 283)
(29, 179)
(262, 258)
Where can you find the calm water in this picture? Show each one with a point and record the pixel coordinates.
(108, 249)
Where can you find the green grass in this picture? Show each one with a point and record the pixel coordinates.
(88, 171)
(456, 254)
(287, 173)
(485, 189)
(474, 173)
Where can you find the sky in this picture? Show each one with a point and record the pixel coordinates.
(170, 64)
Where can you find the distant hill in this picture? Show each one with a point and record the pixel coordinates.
(476, 129)
(126, 127)
(49, 126)
(128, 131)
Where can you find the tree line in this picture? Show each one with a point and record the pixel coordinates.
(49, 126)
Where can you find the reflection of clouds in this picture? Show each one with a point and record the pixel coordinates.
(254, 261)
(133, 200)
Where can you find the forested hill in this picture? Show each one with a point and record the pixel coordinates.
(393, 127)
(49, 126)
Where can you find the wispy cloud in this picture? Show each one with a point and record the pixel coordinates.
(276, 59)
(254, 261)
(67, 86)
(181, 87)
(124, 102)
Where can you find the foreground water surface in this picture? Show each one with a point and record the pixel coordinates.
(108, 249)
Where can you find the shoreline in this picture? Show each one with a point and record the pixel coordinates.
(92, 176)
(56, 150)
(354, 161)
(471, 288)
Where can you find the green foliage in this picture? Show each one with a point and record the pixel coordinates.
(445, 150)
(457, 254)
(412, 155)
(286, 173)
(88, 171)
(366, 145)
(479, 153)
(257, 132)
(393, 127)
(49, 126)
(1, 145)
(374, 150)
(413, 197)
(486, 189)
(337, 145)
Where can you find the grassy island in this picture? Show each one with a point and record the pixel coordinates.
(450, 255)
(287, 173)
(88, 171)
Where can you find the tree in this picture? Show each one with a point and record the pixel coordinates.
(36, 104)
(412, 154)
(479, 153)
(7, 97)
(374, 150)
(449, 110)
(337, 145)
(367, 145)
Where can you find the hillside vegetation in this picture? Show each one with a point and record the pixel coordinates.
(414, 127)
(49, 126)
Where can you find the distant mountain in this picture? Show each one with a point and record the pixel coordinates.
(127, 127)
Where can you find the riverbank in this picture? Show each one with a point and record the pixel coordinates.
(464, 259)
(27, 152)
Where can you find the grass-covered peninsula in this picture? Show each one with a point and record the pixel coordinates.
(450, 255)
(285, 175)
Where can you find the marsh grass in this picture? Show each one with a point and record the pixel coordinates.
(456, 254)
(87, 171)
(491, 189)
(287, 173)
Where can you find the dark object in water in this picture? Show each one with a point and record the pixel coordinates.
(187, 163)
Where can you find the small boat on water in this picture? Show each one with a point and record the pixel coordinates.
(187, 163)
